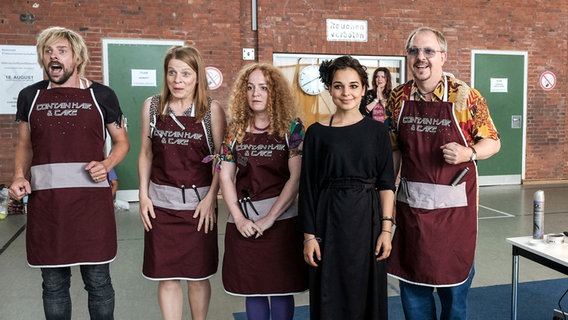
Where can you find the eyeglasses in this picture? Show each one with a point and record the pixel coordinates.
(428, 52)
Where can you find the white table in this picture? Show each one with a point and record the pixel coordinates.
(554, 256)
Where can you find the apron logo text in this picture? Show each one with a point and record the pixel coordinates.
(63, 109)
(260, 150)
(177, 137)
(427, 125)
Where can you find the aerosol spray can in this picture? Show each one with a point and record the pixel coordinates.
(538, 215)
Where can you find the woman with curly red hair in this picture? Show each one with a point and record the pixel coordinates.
(260, 172)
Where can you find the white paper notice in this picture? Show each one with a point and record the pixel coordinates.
(499, 84)
(18, 69)
(143, 78)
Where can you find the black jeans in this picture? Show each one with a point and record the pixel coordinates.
(57, 300)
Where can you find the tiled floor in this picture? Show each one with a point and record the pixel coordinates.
(505, 211)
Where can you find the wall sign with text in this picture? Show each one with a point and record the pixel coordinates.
(19, 68)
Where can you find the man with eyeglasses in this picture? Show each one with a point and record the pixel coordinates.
(440, 128)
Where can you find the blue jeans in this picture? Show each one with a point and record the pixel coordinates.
(418, 301)
(57, 300)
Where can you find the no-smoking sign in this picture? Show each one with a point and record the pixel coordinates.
(214, 77)
(547, 80)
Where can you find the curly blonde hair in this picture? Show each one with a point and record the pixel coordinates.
(281, 105)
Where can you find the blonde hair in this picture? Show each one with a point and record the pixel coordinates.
(439, 36)
(78, 46)
(281, 104)
(192, 57)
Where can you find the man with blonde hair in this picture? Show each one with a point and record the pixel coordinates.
(60, 163)
(441, 128)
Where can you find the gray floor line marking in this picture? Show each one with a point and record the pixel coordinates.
(14, 237)
(507, 215)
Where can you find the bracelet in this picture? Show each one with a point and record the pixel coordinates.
(312, 238)
(388, 219)
(387, 231)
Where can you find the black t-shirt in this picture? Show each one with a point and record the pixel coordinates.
(104, 96)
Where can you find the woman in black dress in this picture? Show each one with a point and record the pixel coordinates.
(346, 202)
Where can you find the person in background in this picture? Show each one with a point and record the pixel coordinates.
(441, 127)
(113, 180)
(374, 102)
(346, 202)
(260, 171)
(62, 123)
(181, 129)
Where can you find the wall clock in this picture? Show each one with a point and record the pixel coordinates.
(309, 80)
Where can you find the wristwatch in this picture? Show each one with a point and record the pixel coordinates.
(473, 154)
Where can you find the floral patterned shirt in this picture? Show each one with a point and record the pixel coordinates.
(470, 108)
(294, 141)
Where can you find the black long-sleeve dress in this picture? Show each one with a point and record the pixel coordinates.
(342, 169)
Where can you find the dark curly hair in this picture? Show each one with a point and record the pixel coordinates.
(328, 68)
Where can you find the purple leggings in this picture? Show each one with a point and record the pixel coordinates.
(279, 307)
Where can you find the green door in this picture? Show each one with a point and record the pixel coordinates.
(501, 77)
(134, 70)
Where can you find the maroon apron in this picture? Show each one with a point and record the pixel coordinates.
(70, 217)
(174, 249)
(272, 264)
(434, 242)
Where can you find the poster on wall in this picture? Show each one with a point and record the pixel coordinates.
(18, 69)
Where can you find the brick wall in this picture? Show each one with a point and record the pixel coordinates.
(538, 27)
(214, 27)
(220, 29)
(8, 134)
